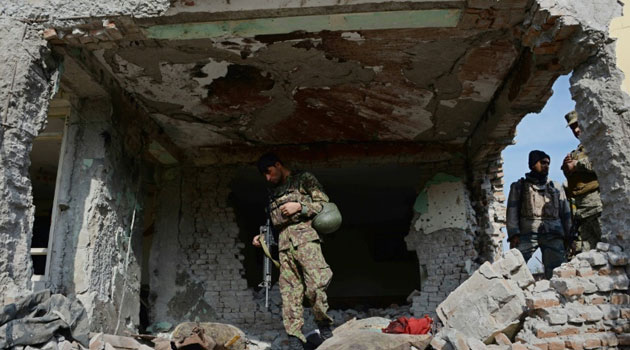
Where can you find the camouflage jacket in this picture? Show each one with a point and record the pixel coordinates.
(583, 187)
(301, 187)
(536, 208)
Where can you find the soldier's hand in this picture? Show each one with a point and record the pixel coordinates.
(290, 208)
(570, 166)
(514, 241)
(256, 241)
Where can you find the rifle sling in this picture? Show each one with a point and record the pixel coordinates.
(267, 252)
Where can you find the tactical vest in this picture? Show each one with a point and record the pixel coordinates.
(581, 183)
(539, 202)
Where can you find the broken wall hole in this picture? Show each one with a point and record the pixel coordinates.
(547, 131)
(45, 164)
(368, 255)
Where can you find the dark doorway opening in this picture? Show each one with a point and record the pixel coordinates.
(368, 254)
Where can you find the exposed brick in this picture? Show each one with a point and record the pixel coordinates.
(597, 300)
(542, 301)
(574, 344)
(565, 272)
(545, 333)
(569, 331)
(585, 271)
(624, 339)
(556, 345)
(592, 343)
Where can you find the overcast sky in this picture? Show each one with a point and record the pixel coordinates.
(545, 131)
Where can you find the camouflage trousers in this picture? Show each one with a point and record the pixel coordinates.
(590, 233)
(303, 273)
(551, 246)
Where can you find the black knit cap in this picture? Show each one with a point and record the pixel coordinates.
(535, 156)
(267, 160)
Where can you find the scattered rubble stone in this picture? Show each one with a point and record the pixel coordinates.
(581, 310)
(498, 301)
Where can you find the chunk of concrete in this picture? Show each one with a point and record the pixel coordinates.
(513, 266)
(366, 334)
(220, 332)
(594, 258)
(485, 304)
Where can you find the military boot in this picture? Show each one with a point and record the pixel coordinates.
(325, 331)
(296, 343)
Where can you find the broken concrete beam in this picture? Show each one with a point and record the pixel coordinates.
(499, 302)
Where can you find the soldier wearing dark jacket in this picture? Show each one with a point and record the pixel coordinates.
(538, 214)
(294, 200)
(583, 190)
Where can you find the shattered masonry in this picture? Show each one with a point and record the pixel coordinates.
(172, 100)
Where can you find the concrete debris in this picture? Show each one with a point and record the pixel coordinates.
(494, 291)
(584, 306)
(102, 341)
(224, 335)
(366, 334)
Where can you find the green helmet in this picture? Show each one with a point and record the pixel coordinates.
(328, 220)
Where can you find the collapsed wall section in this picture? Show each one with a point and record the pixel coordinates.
(96, 244)
(27, 82)
(442, 234)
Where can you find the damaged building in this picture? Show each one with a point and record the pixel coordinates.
(130, 129)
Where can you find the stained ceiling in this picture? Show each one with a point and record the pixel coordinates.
(424, 75)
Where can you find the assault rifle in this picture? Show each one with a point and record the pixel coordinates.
(267, 241)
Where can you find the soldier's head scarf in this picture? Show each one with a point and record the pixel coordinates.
(535, 156)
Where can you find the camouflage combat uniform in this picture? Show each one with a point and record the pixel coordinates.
(540, 216)
(583, 190)
(303, 270)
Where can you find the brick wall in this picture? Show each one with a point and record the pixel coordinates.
(488, 201)
(447, 257)
(209, 258)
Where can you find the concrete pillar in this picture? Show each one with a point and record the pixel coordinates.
(96, 251)
(28, 78)
(605, 123)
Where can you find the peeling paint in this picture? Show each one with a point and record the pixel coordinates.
(212, 71)
(442, 204)
(87, 163)
(353, 36)
(421, 205)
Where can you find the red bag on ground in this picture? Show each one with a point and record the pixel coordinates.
(411, 325)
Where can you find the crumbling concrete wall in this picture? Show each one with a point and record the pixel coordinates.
(442, 234)
(27, 81)
(196, 262)
(604, 116)
(96, 244)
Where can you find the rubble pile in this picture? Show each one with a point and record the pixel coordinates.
(585, 305)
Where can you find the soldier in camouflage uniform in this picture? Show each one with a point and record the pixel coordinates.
(583, 190)
(294, 199)
(538, 214)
